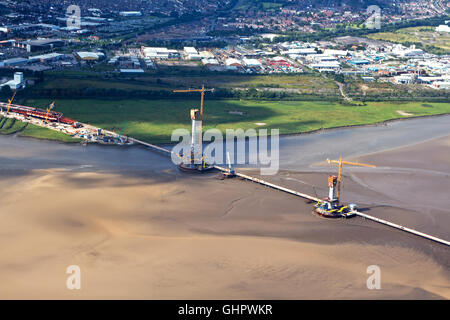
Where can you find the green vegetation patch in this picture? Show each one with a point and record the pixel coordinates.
(154, 120)
(11, 126)
(259, 5)
(34, 131)
(24, 129)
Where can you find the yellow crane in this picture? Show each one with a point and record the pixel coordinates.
(202, 91)
(10, 101)
(340, 163)
(48, 111)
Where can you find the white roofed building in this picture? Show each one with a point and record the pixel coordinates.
(194, 57)
(46, 57)
(402, 51)
(325, 66)
(159, 53)
(233, 62)
(207, 54)
(130, 13)
(300, 51)
(89, 56)
(190, 50)
(251, 62)
(336, 53)
(16, 83)
(320, 58)
(443, 28)
(210, 62)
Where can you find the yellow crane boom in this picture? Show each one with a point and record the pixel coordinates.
(340, 163)
(202, 91)
(48, 111)
(10, 101)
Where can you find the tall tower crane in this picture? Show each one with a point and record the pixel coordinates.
(331, 207)
(196, 157)
(10, 101)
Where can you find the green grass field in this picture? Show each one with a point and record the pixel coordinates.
(11, 126)
(437, 42)
(154, 120)
(43, 133)
(253, 5)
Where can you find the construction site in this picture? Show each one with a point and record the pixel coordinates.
(329, 207)
(306, 232)
(195, 161)
(56, 121)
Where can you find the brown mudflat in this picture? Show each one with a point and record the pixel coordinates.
(175, 236)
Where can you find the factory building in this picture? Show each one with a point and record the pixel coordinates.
(39, 45)
(407, 78)
(299, 52)
(336, 53)
(7, 43)
(46, 57)
(207, 55)
(401, 51)
(14, 62)
(232, 62)
(191, 53)
(130, 13)
(358, 62)
(89, 56)
(326, 66)
(251, 62)
(131, 71)
(210, 62)
(159, 53)
(15, 84)
(443, 28)
(320, 58)
(190, 50)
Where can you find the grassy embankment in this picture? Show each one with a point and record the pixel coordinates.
(154, 120)
(23, 129)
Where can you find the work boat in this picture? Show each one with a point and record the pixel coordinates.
(325, 210)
